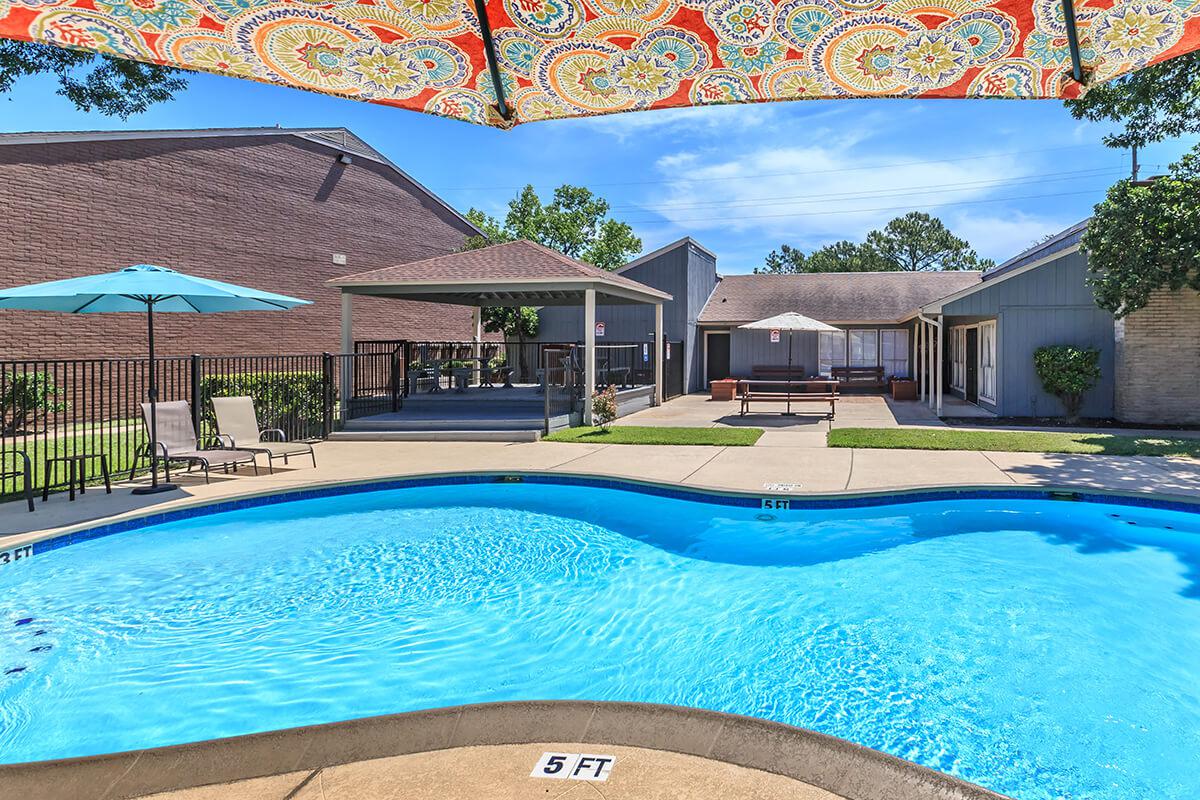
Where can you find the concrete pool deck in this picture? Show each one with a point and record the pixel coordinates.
(494, 751)
(500, 771)
(777, 464)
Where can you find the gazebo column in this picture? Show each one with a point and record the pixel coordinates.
(918, 361)
(938, 385)
(659, 349)
(589, 353)
(477, 337)
(347, 379)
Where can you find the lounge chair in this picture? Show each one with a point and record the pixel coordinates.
(177, 441)
(22, 470)
(237, 426)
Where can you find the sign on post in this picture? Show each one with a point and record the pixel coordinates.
(774, 336)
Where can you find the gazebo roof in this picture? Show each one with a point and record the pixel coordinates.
(520, 273)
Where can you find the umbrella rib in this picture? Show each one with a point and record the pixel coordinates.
(88, 303)
(489, 49)
(1068, 7)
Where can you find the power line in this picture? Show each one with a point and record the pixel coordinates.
(783, 174)
(963, 186)
(858, 210)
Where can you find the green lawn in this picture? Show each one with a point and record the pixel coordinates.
(631, 434)
(118, 448)
(1012, 441)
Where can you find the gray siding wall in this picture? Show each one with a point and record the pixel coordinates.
(688, 274)
(1048, 305)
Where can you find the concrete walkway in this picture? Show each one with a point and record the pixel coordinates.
(785, 460)
(853, 411)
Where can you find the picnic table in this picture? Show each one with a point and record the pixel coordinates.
(807, 390)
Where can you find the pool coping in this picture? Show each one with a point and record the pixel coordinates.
(852, 771)
(36, 544)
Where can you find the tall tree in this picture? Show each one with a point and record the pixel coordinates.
(847, 256)
(784, 261)
(918, 242)
(1158, 102)
(112, 86)
(914, 242)
(575, 222)
(1145, 237)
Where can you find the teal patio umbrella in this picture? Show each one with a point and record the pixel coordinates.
(144, 288)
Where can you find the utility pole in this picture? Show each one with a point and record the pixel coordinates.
(1135, 163)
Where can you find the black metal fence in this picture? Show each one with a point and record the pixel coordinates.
(622, 364)
(56, 408)
(53, 408)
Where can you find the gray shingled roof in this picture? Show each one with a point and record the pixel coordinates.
(1055, 244)
(521, 261)
(831, 296)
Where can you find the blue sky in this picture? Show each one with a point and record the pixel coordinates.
(741, 180)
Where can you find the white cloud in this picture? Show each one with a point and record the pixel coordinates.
(1002, 237)
(811, 193)
(674, 121)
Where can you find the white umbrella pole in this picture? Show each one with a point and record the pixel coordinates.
(789, 376)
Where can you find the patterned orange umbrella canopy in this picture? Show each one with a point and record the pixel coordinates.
(502, 62)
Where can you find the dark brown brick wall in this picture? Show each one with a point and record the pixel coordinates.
(263, 211)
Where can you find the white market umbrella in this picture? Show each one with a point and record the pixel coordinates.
(789, 321)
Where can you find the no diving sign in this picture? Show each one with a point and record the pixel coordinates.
(573, 766)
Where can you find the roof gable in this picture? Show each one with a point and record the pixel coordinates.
(515, 263)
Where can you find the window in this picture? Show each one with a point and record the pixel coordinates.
(958, 359)
(987, 361)
(894, 347)
(864, 348)
(832, 352)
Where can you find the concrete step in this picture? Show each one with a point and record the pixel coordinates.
(437, 436)
(454, 424)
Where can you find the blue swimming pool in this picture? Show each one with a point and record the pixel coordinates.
(1041, 648)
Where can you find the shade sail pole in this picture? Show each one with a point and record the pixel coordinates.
(1068, 7)
(489, 49)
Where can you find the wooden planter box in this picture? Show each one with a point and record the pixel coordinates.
(904, 390)
(724, 389)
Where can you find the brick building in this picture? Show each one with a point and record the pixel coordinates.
(1158, 360)
(278, 209)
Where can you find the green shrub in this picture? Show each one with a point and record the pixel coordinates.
(27, 398)
(293, 401)
(604, 406)
(1067, 372)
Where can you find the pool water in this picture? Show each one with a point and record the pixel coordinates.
(1042, 649)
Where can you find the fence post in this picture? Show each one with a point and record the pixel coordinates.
(407, 360)
(326, 395)
(394, 383)
(546, 392)
(195, 381)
